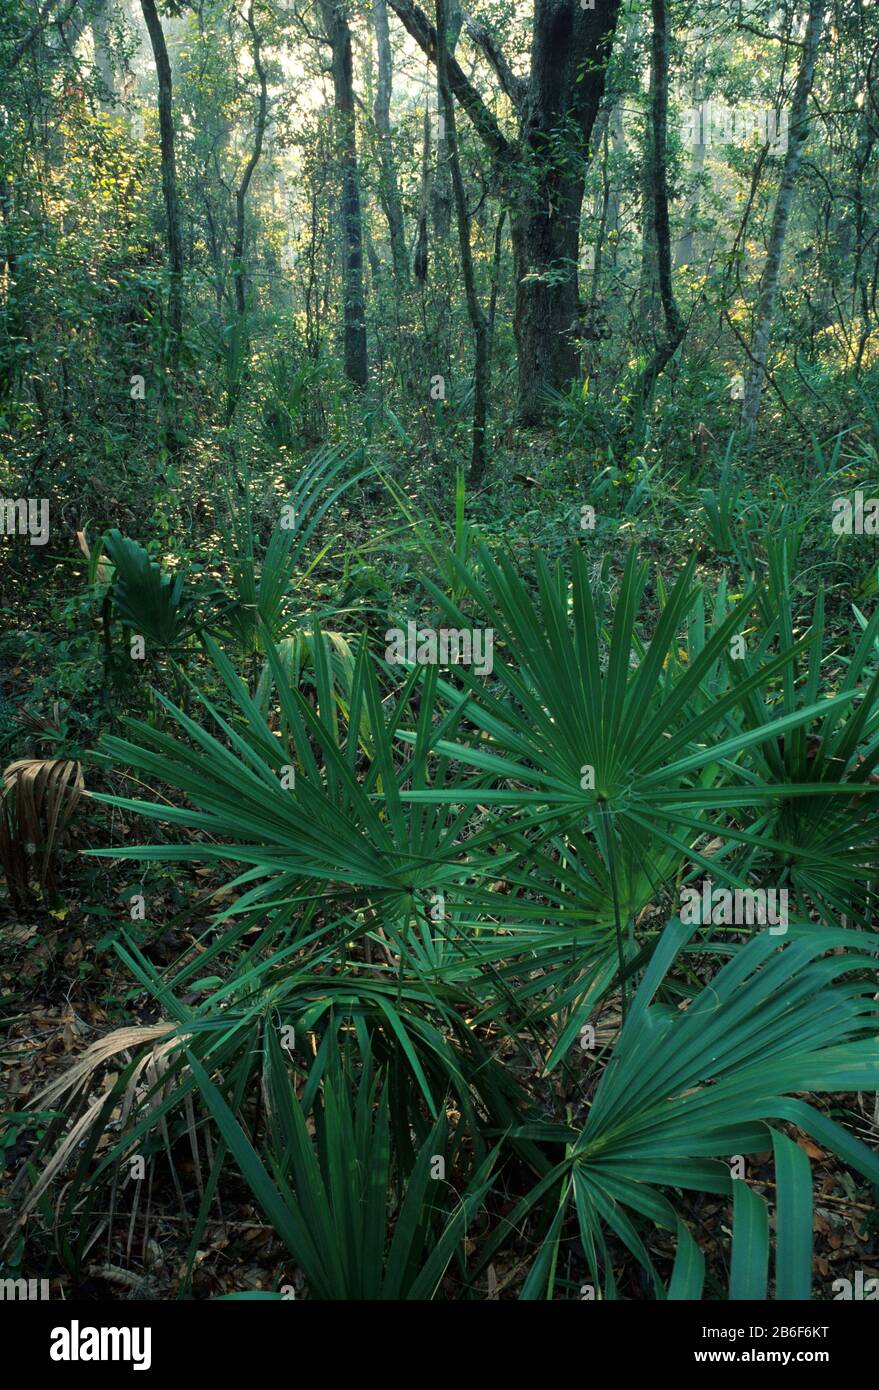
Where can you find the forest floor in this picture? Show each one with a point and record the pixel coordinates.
(63, 988)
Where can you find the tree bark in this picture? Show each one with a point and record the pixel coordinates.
(338, 34)
(685, 250)
(569, 55)
(101, 13)
(674, 324)
(441, 187)
(250, 167)
(389, 191)
(648, 278)
(421, 254)
(542, 173)
(477, 317)
(618, 148)
(169, 193)
(769, 280)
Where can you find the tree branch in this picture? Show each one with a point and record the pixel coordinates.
(44, 20)
(422, 31)
(515, 87)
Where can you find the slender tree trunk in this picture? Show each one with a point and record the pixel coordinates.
(685, 250)
(171, 198)
(389, 191)
(674, 324)
(421, 253)
(495, 274)
(478, 320)
(101, 14)
(648, 278)
(338, 34)
(866, 141)
(615, 135)
(250, 167)
(769, 281)
(441, 186)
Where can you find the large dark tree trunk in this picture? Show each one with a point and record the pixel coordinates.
(569, 55)
(545, 250)
(170, 195)
(542, 171)
(338, 35)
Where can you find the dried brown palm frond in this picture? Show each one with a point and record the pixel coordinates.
(100, 570)
(37, 801)
(67, 1092)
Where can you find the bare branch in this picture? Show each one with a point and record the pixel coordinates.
(43, 21)
(515, 87)
(419, 26)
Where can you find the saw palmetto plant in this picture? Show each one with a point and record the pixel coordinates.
(437, 886)
(258, 603)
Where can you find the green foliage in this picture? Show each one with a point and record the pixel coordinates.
(684, 1089)
(386, 907)
(151, 603)
(329, 1198)
(258, 608)
(426, 877)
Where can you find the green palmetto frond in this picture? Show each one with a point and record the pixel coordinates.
(153, 603)
(259, 605)
(328, 1199)
(571, 700)
(685, 1089)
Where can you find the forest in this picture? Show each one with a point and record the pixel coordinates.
(439, 652)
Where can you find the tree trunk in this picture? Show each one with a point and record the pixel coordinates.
(685, 250)
(674, 324)
(542, 173)
(768, 293)
(441, 186)
(648, 277)
(244, 185)
(101, 13)
(618, 149)
(170, 195)
(569, 56)
(389, 191)
(421, 254)
(474, 308)
(338, 34)
(546, 321)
